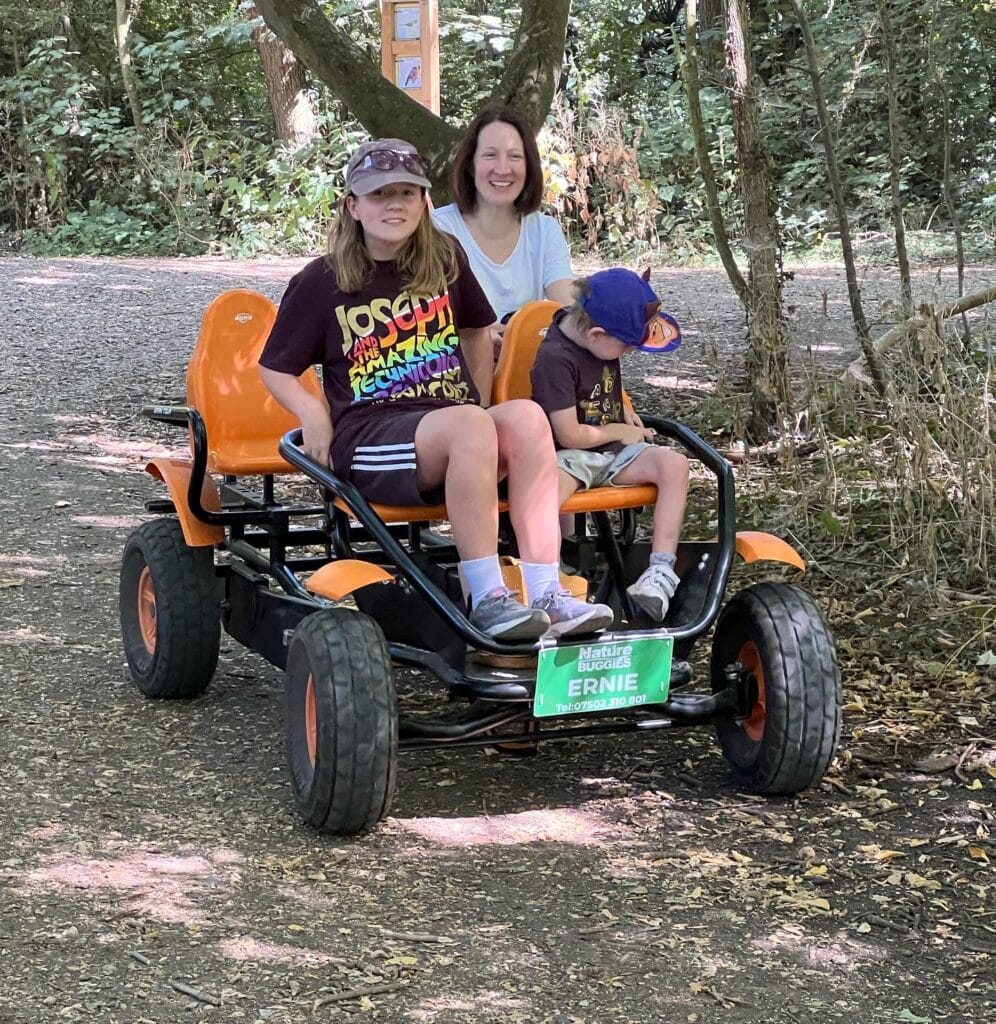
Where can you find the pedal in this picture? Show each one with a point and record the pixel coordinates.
(513, 661)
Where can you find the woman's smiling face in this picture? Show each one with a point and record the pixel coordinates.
(499, 164)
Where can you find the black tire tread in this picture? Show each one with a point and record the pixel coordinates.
(350, 787)
(188, 634)
(802, 685)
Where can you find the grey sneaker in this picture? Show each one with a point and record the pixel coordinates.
(654, 589)
(570, 616)
(501, 616)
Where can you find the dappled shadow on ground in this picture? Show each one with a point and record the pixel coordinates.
(151, 851)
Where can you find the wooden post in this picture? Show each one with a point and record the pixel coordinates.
(409, 33)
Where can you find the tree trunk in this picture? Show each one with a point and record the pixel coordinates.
(692, 86)
(947, 189)
(711, 21)
(895, 167)
(767, 338)
(533, 69)
(286, 87)
(384, 110)
(833, 173)
(123, 15)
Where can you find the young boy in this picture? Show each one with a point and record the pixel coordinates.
(576, 379)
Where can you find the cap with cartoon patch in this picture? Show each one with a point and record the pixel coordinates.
(624, 305)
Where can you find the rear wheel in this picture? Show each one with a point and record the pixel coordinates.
(342, 721)
(170, 611)
(788, 661)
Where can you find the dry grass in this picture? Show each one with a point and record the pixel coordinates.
(907, 490)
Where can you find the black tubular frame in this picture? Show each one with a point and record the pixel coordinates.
(259, 531)
(376, 530)
(188, 416)
(360, 509)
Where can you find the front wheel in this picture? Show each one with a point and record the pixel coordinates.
(342, 721)
(170, 611)
(776, 638)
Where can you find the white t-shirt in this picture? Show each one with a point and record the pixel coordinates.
(539, 258)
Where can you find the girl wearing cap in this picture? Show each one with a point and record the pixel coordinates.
(402, 331)
(516, 253)
(576, 378)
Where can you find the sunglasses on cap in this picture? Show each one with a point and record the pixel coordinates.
(390, 159)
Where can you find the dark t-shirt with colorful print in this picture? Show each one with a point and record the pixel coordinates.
(381, 345)
(567, 376)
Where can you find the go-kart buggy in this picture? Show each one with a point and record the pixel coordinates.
(336, 590)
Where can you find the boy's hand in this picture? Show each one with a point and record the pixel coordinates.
(630, 416)
(632, 434)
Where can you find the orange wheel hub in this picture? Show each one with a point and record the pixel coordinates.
(311, 721)
(147, 609)
(750, 658)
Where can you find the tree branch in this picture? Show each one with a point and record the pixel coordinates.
(528, 83)
(692, 89)
(534, 65)
(894, 335)
(382, 108)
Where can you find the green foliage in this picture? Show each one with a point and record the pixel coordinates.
(275, 201)
(938, 42)
(100, 229)
(472, 47)
(205, 174)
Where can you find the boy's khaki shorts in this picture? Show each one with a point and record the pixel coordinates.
(596, 469)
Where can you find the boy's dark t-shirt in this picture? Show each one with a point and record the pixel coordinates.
(378, 346)
(566, 375)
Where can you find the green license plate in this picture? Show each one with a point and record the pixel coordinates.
(610, 676)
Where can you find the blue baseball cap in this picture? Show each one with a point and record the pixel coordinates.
(625, 306)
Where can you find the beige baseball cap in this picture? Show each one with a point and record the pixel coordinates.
(385, 162)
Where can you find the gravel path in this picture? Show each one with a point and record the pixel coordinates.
(152, 868)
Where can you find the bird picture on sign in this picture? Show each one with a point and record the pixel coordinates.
(409, 72)
(407, 23)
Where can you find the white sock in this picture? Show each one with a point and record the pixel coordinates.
(540, 578)
(663, 558)
(480, 577)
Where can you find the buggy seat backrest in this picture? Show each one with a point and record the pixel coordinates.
(244, 423)
(523, 335)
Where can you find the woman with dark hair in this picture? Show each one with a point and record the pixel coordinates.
(516, 253)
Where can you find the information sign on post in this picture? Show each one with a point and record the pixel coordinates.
(410, 48)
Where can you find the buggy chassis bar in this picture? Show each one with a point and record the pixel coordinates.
(290, 450)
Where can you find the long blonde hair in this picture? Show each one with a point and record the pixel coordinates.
(427, 261)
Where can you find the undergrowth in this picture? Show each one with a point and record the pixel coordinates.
(907, 490)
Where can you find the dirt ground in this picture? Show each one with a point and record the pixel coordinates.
(152, 867)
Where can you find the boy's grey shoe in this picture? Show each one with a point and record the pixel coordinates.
(501, 616)
(654, 589)
(570, 616)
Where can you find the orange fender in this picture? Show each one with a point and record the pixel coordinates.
(175, 474)
(754, 546)
(339, 579)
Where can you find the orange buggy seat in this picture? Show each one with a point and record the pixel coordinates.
(243, 421)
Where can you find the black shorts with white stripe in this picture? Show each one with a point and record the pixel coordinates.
(376, 452)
